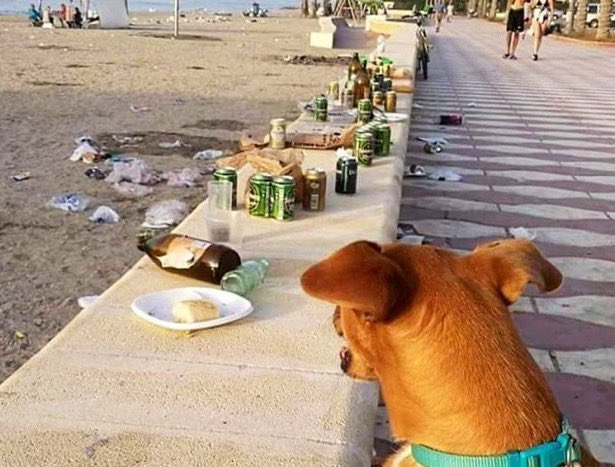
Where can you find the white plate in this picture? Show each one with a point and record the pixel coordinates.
(156, 307)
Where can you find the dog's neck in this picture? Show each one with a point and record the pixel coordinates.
(467, 391)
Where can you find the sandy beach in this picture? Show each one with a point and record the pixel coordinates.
(57, 85)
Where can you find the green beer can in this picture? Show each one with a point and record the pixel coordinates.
(259, 195)
(283, 199)
(320, 108)
(384, 136)
(228, 174)
(363, 147)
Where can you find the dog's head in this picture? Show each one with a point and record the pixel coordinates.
(388, 296)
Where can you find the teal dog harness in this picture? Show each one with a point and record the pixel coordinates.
(563, 451)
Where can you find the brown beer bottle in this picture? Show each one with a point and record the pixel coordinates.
(362, 88)
(354, 67)
(190, 256)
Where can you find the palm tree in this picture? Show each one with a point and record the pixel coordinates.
(314, 8)
(581, 16)
(494, 10)
(304, 8)
(604, 19)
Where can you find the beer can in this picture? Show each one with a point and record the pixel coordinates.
(259, 195)
(378, 98)
(390, 104)
(283, 200)
(383, 132)
(320, 108)
(347, 98)
(315, 190)
(363, 147)
(277, 133)
(364, 111)
(386, 70)
(346, 172)
(228, 174)
(334, 90)
(387, 84)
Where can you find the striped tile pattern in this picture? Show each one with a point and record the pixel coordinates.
(537, 149)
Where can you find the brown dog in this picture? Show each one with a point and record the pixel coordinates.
(433, 328)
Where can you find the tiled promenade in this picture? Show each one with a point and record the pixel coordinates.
(537, 150)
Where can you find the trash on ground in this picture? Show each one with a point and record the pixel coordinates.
(433, 140)
(95, 172)
(135, 171)
(132, 189)
(139, 109)
(87, 152)
(105, 215)
(472, 104)
(412, 239)
(70, 202)
(165, 214)
(21, 176)
(208, 155)
(450, 119)
(119, 158)
(176, 144)
(522, 232)
(184, 178)
(86, 300)
(127, 140)
(445, 175)
(84, 139)
(414, 171)
(416, 105)
(20, 335)
(380, 45)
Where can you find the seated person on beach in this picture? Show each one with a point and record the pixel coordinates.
(77, 18)
(47, 17)
(34, 16)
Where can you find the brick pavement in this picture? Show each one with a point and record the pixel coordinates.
(536, 150)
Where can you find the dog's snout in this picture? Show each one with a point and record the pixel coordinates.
(345, 358)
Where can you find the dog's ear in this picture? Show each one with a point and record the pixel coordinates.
(357, 276)
(509, 265)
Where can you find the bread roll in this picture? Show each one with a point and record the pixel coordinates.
(192, 311)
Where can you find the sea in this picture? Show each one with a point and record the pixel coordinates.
(21, 6)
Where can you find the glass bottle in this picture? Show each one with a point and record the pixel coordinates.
(190, 256)
(246, 277)
(362, 88)
(354, 67)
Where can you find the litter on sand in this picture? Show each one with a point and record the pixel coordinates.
(86, 300)
(95, 173)
(522, 233)
(183, 178)
(132, 189)
(139, 109)
(87, 152)
(165, 214)
(70, 202)
(414, 170)
(119, 158)
(105, 215)
(127, 140)
(445, 175)
(135, 171)
(21, 176)
(208, 155)
(176, 144)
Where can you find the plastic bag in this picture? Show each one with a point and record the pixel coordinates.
(522, 232)
(208, 155)
(185, 178)
(85, 151)
(445, 175)
(105, 215)
(165, 214)
(132, 189)
(135, 171)
(95, 173)
(176, 144)
(70, 202)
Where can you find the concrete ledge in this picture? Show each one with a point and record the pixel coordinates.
(111, 390)
(326, 37)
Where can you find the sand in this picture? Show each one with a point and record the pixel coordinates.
(56, 85)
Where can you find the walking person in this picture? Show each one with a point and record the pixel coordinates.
(440, 7)
(450, 11)
(515, 25)
(541, 18)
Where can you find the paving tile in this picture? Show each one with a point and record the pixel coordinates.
(456, 229)
(541, 192)
(448, 204)
(551, 211)
(596, 363)
(601, 443)
(573, 237)
(588, 269)
(543, 359)
(443, 186)
(602, 179)
(518, 161)
(529, 176)
(606, 166)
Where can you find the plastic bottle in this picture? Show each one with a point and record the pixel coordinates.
(246, 277)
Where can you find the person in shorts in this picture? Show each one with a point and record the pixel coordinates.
(515, 25)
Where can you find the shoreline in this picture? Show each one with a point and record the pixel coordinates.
(202, 11)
